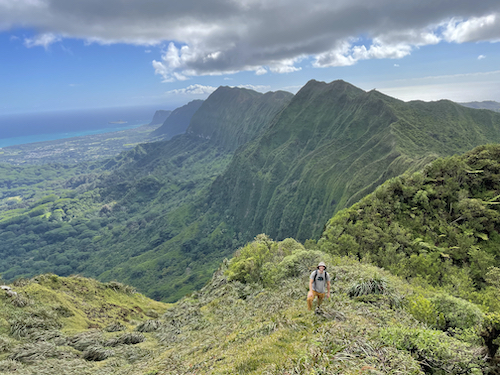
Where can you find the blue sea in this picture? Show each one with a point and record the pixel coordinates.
(16, 129)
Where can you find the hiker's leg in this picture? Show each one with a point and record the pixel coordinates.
(310, 299)
(320, 298)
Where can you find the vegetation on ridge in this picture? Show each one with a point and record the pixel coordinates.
(252, 318)
(439, 226)
(162, 216)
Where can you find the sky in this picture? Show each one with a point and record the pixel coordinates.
(62, 54)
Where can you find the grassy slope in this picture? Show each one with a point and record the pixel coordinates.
(233, 327)
(54, 320)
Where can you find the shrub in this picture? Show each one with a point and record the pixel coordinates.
(126, 339)
(300, 262)
(437, 352)
(20, 301)
(115, 327)
(35, 319)
(119, 287)
(5, 343)
(246, 266)
(149, 326)
(96, 353)
(456, 312)
(85, 340)
(422, 309)
(374, 285)
(29, 353)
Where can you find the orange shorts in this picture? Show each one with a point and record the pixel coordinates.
(311, 296)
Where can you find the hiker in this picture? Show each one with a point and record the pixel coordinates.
(317, 282)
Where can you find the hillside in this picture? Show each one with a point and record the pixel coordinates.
(487, 104)
(162, 216)
(332, 145)
(439, 226)
(159, 117)
(246, 321)
(178, 121)
(227, 106)
(114, 211)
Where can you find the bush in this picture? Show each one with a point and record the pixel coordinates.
(456, 312)
(126, 339)
(374, 285)
(96, 353)
(437, 352)
(29, 353)
(115, 327)
(246, 266)
(422, 309)
(266, 262)
(85, 340)
(5, 344)
(300, 262)
(33, 320)
(149, 326)
(119, 287)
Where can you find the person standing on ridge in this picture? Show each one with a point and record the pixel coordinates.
(317, 282)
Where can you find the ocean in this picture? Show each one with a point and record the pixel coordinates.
(16, 129)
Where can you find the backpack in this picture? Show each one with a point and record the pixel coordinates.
(327, 276)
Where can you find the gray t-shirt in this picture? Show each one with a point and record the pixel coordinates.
(320, 284)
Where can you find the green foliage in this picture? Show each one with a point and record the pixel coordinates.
(456, 312)
(266, 262)
(422, 309)
(437, 352)
(439, 225)
(246, 265)
(373, 285)
(231, 327)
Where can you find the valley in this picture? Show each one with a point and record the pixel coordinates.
(400, 199)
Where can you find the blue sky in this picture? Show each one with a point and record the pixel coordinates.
(87, 53)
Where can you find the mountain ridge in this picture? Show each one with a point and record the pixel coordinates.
(163, 215)
(178, 121)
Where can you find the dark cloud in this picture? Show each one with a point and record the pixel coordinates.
(220, 36)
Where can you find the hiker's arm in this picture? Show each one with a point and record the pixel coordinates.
(328, 287)
(310, 285)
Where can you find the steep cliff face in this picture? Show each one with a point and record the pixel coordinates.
(159, 117)
(232, 116)
(178, 121)
(332, 145)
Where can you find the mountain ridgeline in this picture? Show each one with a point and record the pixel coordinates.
(332, 145)
(162, 216)
(178, 121)
(232, 116)
(159, 117)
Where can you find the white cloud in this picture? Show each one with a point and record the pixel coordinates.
(42, 40)
(193, 90)
(210, 37)
(260, 88)
(480, 57)
(260, 71)
(473, 30)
